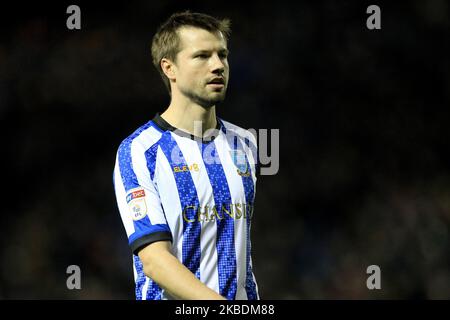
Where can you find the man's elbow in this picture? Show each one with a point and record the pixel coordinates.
(148, 268)
(150, 257)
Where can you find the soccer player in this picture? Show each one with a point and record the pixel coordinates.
(185, 180)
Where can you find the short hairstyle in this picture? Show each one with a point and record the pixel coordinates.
(166, 42)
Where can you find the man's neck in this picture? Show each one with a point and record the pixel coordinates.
(190, 117)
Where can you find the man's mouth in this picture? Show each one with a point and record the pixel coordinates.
(217, 82)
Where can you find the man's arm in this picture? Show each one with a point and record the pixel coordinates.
(165, 269)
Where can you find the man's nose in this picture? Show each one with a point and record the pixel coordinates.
(218, 66)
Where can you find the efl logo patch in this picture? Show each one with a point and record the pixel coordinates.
(136, 203)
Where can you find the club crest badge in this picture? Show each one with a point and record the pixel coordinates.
(136, 203)
(240, 162)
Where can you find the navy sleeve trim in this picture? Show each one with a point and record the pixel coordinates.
(141, 242)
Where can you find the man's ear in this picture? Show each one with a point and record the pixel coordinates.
(168, 67)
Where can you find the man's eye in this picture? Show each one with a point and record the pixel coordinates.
(201, 56)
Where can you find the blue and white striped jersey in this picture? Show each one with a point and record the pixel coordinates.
(197, 194)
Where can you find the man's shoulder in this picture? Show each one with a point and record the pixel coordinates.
(143, 138)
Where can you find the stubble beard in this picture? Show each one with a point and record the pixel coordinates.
(203, 99)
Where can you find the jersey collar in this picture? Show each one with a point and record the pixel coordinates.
(165, 126)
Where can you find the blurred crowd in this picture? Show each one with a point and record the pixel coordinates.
(363, 118)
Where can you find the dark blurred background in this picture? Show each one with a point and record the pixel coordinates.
(363, 116)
